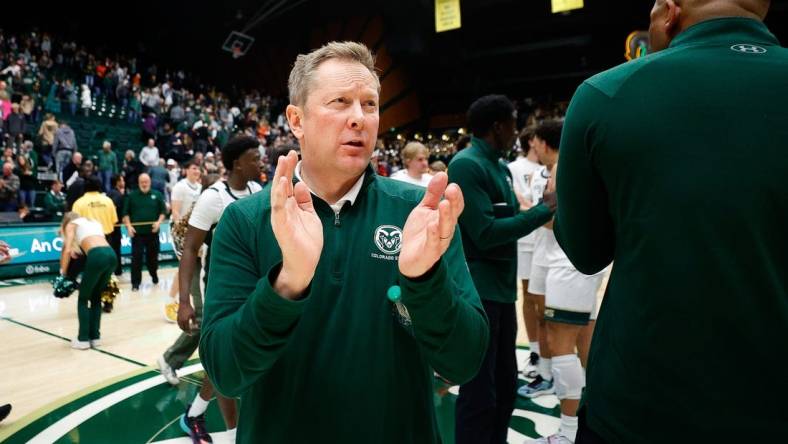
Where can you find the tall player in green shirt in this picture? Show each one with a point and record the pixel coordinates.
(652, 158)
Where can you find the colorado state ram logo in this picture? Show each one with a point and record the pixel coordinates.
(388, 239)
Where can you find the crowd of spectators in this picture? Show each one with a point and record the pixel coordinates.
(45, 82)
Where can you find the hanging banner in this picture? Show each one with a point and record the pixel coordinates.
(447, 15)
(566, 5)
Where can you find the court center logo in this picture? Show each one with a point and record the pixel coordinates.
(388, 239)
(749, 49)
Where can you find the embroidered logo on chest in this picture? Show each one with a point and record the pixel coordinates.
(388, 239)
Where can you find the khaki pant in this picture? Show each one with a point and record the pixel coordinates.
(186, 344)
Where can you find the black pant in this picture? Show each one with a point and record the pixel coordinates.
(485, 404)
(150, 244)
(114, 239)
(584, 434)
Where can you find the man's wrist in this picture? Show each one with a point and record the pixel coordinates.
(290, 285)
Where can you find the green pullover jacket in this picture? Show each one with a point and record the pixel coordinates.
(675, 166)
(341, 365)
(492, 221)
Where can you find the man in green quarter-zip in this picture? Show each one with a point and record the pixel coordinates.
(674, 166)
(491, 225)
(335, 293)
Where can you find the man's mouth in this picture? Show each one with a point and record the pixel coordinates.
(356, 143)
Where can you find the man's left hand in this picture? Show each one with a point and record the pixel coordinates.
(155, 227)
(430, 227)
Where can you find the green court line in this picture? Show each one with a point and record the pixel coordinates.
(122, 358)
(77, 400)
(84, 397)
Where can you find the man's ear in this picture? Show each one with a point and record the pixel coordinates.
(295, 118)
(673, 18)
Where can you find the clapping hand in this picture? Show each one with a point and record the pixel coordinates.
(297, 229)
(430, 227)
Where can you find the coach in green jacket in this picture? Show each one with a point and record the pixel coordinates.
(491, 224)
(674, 166)
(330, 301)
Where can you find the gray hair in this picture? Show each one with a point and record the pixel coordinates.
(305, 66)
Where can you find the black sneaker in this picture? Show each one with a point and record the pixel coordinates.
(155, 279)
(4, 411)
(194, 426)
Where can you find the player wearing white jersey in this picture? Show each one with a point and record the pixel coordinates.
(242, 159)
(570, 299)
(182, 198)
(522, 169)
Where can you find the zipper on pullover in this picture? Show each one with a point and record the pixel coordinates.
(336, 261)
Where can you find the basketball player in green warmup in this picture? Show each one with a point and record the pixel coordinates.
(652, 155)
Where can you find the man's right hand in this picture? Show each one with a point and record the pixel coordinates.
(186, 317)
(130, 230)
(297, 229)
(550, 198)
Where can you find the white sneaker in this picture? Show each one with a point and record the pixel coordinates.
(80, 345)
(167, 371)
(95, 342)
(552, 439)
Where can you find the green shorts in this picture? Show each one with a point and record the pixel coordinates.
(566, 316)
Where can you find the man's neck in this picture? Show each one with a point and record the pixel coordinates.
(491, 143)
(237, 182)
(532, 156)
(329, 187)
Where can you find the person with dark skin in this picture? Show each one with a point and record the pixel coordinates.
(76, 189)
(492, 223)
(699, 260)
(242, 158)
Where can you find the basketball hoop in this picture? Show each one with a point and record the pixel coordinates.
(237, 44)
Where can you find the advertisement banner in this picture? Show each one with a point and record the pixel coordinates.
(35, 248)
